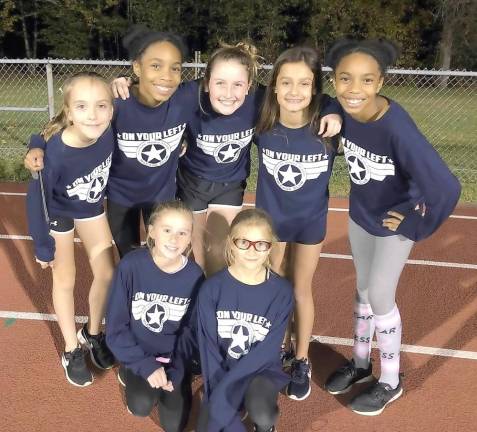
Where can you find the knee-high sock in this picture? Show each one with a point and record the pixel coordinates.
(363, 334)
(388, 335)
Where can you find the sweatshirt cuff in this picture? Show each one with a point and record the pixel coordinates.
(146, 367)
(46, 253)
(37, 141)
(409, 225)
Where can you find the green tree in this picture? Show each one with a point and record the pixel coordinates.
(398, 20)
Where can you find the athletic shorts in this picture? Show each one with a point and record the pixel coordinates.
(308, 232)
(65, 225)
(199, 194)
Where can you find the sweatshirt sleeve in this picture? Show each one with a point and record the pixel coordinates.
(210, 356)
(37, 141)
(186, 348)
(330, 105)
(119, 337)
(439, 188)
(226, 397)
(38, 213)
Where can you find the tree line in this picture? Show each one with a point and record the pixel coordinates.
(431, 33)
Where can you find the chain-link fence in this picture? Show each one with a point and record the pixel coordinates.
(443, 104)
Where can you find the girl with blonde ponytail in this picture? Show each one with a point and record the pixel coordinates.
(69, 196)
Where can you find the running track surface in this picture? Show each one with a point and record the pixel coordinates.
(437, 300)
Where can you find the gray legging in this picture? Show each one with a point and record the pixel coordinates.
(378, 262)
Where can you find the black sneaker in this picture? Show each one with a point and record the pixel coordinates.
(272, 429)
(74, 364)
(343, 379)
(374, 399)
(122, 375)
(287, 356)
(100, 354)
(299, 387)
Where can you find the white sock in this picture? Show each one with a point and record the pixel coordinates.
(363, 334)
(388, 335)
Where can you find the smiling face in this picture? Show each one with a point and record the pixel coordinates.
(294, 88)
(89, 109)
(250, 259)
(358, 80)
(228, 85)
(159, 72)
(172, 233)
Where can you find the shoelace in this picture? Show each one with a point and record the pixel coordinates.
(378, 391)
(76, 356)
(348, 369)
(299, 371)
(98, 340)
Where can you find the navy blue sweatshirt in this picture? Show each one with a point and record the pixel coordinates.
(293, 175)
(74, 181)
(145, 161)
(392, 166)
(219, 145)
(147, 310)
(240, 328)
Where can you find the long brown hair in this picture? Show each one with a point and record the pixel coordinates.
(270, 112)
(60, 120)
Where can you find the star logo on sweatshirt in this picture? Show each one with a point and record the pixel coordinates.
(155, 317)
(241, 335)
(153, 153)
(289, 175)
(357, 167)
(96, 189)
(228, 152)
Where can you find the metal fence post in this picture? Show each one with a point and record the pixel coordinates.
(51, 92)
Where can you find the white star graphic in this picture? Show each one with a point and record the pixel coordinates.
(229, 153)
(355, 167)
(155, 317)
(325, 156)
(239, 339)
(289, 175)
(97, 188)
(154, 153)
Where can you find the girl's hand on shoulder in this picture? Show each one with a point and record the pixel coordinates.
(392, 223)
(120, 87)
(158, 378)
(45, 264)
(330, 125)
(34, 160)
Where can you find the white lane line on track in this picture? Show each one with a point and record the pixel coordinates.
(334, 209)
(442, 352)
(338, 209)
(322, 255)
(416, 349)
(415, 262)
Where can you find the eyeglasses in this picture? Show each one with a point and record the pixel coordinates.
(259, 245)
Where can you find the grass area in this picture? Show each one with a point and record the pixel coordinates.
(447, 117)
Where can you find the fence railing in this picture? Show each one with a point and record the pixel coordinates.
(442, 103)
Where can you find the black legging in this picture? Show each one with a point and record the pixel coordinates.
(125, 225)
(260, 403)
(174, 407)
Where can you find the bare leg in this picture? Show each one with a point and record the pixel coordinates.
(304, 259)
(63, 272)
(96, 237)
(199, 238)
(219, 219)
(280, 265)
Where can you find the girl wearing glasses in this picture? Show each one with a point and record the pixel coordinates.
(243, 312)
